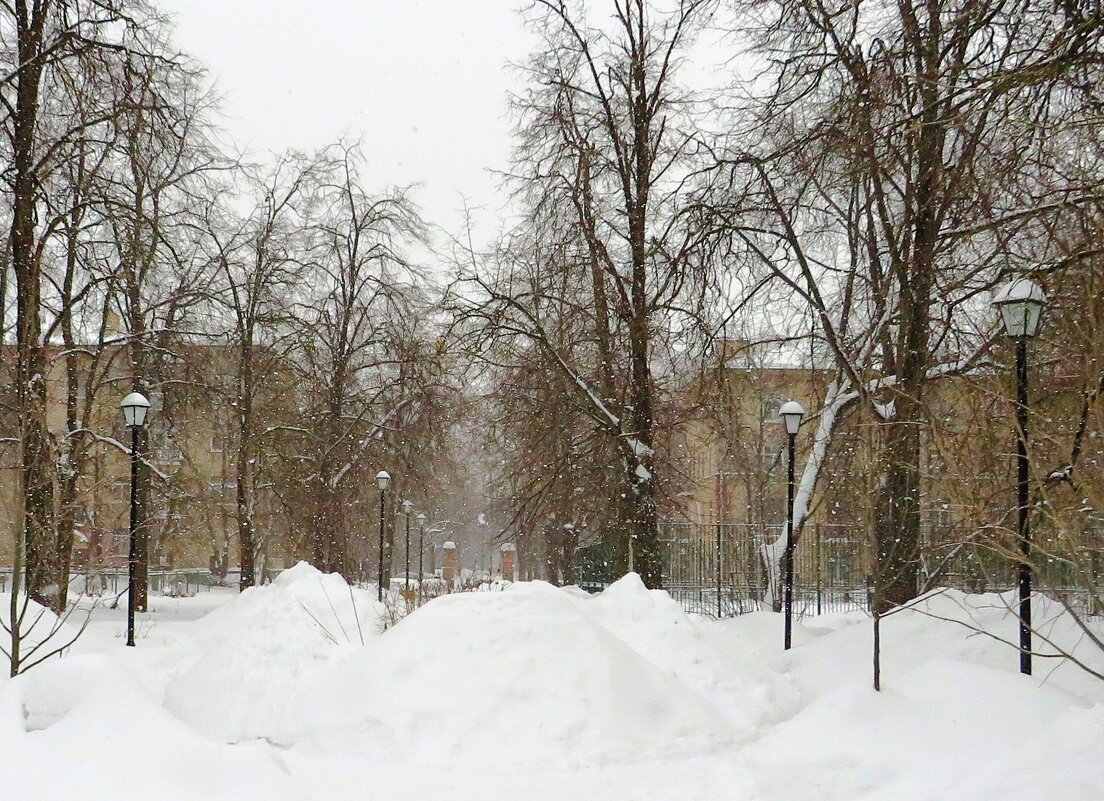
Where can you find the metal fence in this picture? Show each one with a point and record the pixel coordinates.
(718, 569)
(113, 581)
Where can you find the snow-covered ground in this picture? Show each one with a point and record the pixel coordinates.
(294, 691)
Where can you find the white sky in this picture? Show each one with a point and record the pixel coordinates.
(422, 83)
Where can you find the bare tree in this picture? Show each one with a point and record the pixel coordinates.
(606, 150)
(155, 192)
(259, 259)
(361, 282)
(59, 99)
(906, 161)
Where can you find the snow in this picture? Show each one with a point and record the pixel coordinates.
(280, 693)
(450, 685)
(80, 730)
(791, 407)
(1018, 289)
(291, 628)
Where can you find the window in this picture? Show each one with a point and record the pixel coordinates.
(168, 455)
(770, 458)
(770, 405)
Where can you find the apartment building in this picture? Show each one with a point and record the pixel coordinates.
(191, 446)
(730, 452)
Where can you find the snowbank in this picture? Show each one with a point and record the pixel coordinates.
(946, 624)
(515, 678)
(620, 695)
(955, 719)
(254, 654)
(38, 626)
(738, 674)
(77, 729)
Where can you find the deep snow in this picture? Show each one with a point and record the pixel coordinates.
(295, 691)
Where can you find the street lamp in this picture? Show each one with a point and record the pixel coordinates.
(408, 507)
(421, 552)
(791, 414)
(1020, 303)
(383, 478)
(135, 406)
(569, 560)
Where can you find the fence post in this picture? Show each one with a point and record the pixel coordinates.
(699, 546)
(818, 581)
(718, 569)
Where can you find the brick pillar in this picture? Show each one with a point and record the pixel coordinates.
(450, 563)
(509, 561)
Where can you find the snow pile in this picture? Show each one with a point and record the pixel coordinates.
(946, 624)
(620, 695)
(38, 626)
(254, 654)
(955, 719)
(513, 678)
(77, 728)
(739, 674)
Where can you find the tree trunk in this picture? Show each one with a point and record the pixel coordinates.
(897, 537)
(37, 465)
(644, 523)
(897, 530)
(244, 470)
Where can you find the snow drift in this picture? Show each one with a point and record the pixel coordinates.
(520, 677)
(620, 695)
(255, 654)
(79, 728)
(955, 720)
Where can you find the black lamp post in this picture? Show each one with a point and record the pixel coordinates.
(1021, 305)
(421, 552)
(383, 478)
(408, 507)
(135, 406)
(569, 554)
(791, 414)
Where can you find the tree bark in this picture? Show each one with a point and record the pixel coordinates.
(244, 469)
(36, 463)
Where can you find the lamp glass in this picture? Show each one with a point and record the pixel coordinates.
(408, 506)
(135, 406)
(383, 478)
(1021, 305)
(1021, 317)
(791, 414)
(421, 518)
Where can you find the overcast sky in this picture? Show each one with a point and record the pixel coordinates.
(422, 83)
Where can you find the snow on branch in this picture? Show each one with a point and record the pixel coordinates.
(377, 429)
(124, 448)
(836, 401)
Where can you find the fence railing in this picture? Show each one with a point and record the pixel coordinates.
(718, 569)
(113, 581)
